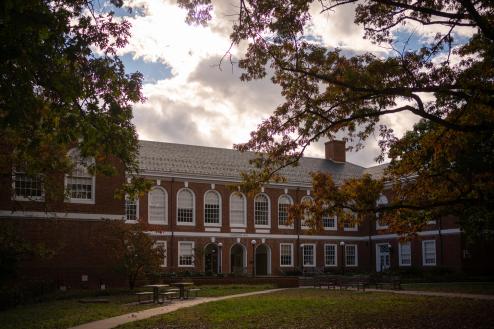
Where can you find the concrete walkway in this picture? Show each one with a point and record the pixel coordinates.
(125, 318)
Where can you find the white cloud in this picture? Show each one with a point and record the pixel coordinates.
(201, 105)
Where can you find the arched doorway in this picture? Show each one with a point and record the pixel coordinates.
(237, 259)
(211, 258)
(263, 260)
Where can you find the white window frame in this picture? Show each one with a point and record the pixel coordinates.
(291, 254)
(137, 210)
(350, 229)
(335, 255)
(16, 197)
(333, 228)
(400, 245)
(290, 204)
(193, 223)
(424, 242)
(346, 255)
(180, 243)
(313, 254)
(244, 224)
(220, 209)
(69, 199)
(166, 206)
(383, 200)
(303, 221)
(269, 212)
(165, 248)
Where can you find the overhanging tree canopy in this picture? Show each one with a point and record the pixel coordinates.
(442, 165)
(62, 86)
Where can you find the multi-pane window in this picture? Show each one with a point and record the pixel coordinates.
(405, 253)
(163, 251)
(306, 200)
(237, 209)
(351, 255)
(350, 227)
(284, 203)
(308, 255)
(185, 206)
(212, 208)
(80, 183)
(429, 252)
(157, 201)
(328, 223)
(261, 210)
(130, 209)
(186, 253)
(379, 224)
(330, 255)
(286, 254)
(27, 187)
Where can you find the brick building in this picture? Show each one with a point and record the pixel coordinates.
(205, 226)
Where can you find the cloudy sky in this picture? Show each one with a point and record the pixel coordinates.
(191, 101)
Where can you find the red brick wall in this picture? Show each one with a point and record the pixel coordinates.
(105, 202)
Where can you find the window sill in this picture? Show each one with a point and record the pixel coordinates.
(23, 199)
(80, 201)
(212, 224)
(186, 224)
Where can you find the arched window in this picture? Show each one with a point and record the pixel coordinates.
(80, 183)
(185, 207)
(383, 200)
(131, 209)
(212, 208)
(307, 200)
(261, 210)
(157, 206)
(237, 210)
(329, 222)
(284, 202)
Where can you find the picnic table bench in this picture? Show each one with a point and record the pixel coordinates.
(194, 291)
(358, 282)
(143, 294)
(169, 295)
(394, 282)
(325, 281)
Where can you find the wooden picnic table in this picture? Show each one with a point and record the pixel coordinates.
(156, 290)
(181, 286)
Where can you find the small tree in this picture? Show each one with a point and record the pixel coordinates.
(134, 251)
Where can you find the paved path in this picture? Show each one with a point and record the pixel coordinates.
(121, 319)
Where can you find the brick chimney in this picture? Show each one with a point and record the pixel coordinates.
(335, 151)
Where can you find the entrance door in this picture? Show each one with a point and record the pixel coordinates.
(237, 259)
(262, 260)
(211, 258)
(383, 258)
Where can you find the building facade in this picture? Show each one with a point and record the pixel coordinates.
(205, 225)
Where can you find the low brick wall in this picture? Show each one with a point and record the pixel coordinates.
(279, 281)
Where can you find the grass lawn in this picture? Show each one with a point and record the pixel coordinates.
(320, 308)
(69, 312)
(486, 288)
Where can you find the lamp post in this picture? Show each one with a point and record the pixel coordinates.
(342, 245)
(302, 258)
(220, 256)
(253, 243)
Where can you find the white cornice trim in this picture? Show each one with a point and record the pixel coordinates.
(208, 178)
(58, 215)
(293, 236)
